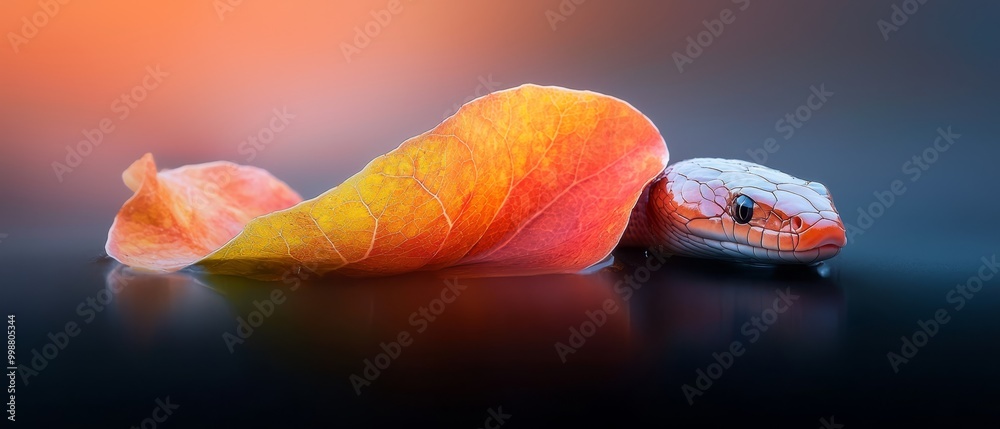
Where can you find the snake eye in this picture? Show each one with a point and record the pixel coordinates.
(742, 209)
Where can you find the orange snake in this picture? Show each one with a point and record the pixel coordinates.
(736, 210)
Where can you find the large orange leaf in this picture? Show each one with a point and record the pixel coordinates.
(527, 180)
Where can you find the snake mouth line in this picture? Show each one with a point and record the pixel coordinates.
(743, 252)
(817, 254)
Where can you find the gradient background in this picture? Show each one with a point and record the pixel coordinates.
(227, 74)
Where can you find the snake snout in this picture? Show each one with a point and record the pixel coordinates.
(823, 232)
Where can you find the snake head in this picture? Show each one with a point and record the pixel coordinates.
(741, 211)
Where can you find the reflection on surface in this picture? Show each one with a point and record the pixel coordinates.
(686, 306)
(485, 321)
(705, 304)
(147, 303)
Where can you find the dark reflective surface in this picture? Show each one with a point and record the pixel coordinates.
(820, 352)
